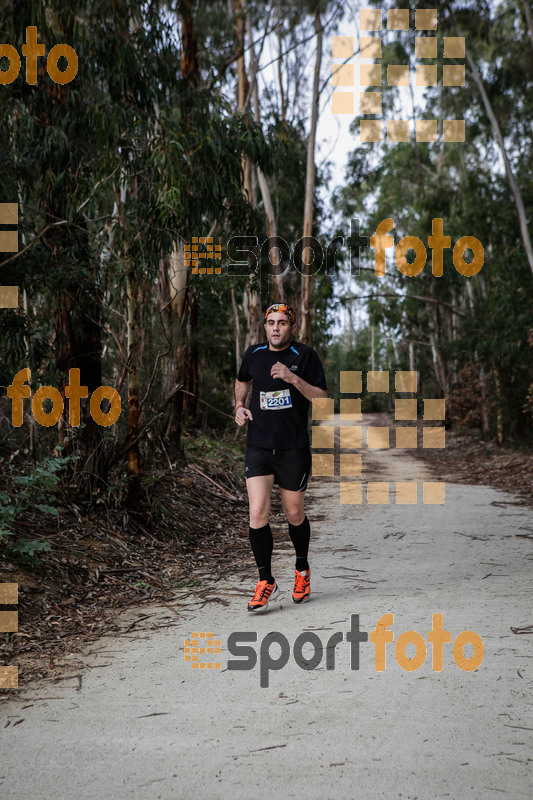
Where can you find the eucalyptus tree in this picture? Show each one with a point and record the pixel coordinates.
(476, 187)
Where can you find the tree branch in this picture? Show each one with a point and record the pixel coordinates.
(34, 240)
(418, 297)
(522, 218)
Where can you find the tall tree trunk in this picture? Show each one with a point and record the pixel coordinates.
(184, 307)
(189, 50)
(29, 362)
(242, 78)
(188, 355)
(173, 289)
(499, 404)
(395, 352)
(277, 281)
(78, 345)
(438, 364)
(238, 350)
(529, 20)
(128, 185)
(508, 169)
(134, 471)
(485, 401)
(77, 333)
(305, 293)
(255, 331)
(283, 103)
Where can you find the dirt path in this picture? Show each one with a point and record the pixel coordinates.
(136, 721)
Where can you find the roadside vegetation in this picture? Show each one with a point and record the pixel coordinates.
(194, 120)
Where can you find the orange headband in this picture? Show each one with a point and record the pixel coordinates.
(282, 308)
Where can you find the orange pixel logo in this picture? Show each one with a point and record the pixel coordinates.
(372, 75)
(9, 623)
(201, 644)
(9, 243)
(377, 438)
(193, 254)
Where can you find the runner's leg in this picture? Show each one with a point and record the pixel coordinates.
(300, 532)
(299, 528)
(259, 491)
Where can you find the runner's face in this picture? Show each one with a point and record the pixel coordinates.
(278, 330)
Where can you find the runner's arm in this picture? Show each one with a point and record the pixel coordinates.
(308, 391)
(242, 389)
(242, 414)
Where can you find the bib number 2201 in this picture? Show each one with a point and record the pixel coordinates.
(273, 401)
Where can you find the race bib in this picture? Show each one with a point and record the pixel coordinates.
(272, 401)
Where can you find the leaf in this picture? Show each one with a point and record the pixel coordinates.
(47, 509)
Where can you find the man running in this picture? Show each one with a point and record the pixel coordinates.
(286, 376)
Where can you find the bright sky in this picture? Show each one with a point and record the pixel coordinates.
(334, 141)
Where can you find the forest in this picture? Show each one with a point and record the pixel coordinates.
(194, 127)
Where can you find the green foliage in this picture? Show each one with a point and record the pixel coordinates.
(142, 585)
(185, 584)
(452, 322)
(30, 494)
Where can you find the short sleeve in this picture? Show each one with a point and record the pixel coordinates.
(243, 375)
(314, 371)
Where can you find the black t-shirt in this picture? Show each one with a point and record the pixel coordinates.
(279, 410)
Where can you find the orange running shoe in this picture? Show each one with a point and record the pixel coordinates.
(264, 593)
(302, 586)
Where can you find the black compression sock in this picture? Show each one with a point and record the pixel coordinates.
(262, 546)
(300, 535)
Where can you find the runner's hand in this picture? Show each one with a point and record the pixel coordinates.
(280, 370)
(242, 416)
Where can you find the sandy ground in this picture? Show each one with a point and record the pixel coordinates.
(133, 719)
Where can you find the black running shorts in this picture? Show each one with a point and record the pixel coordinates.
(290, 468)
